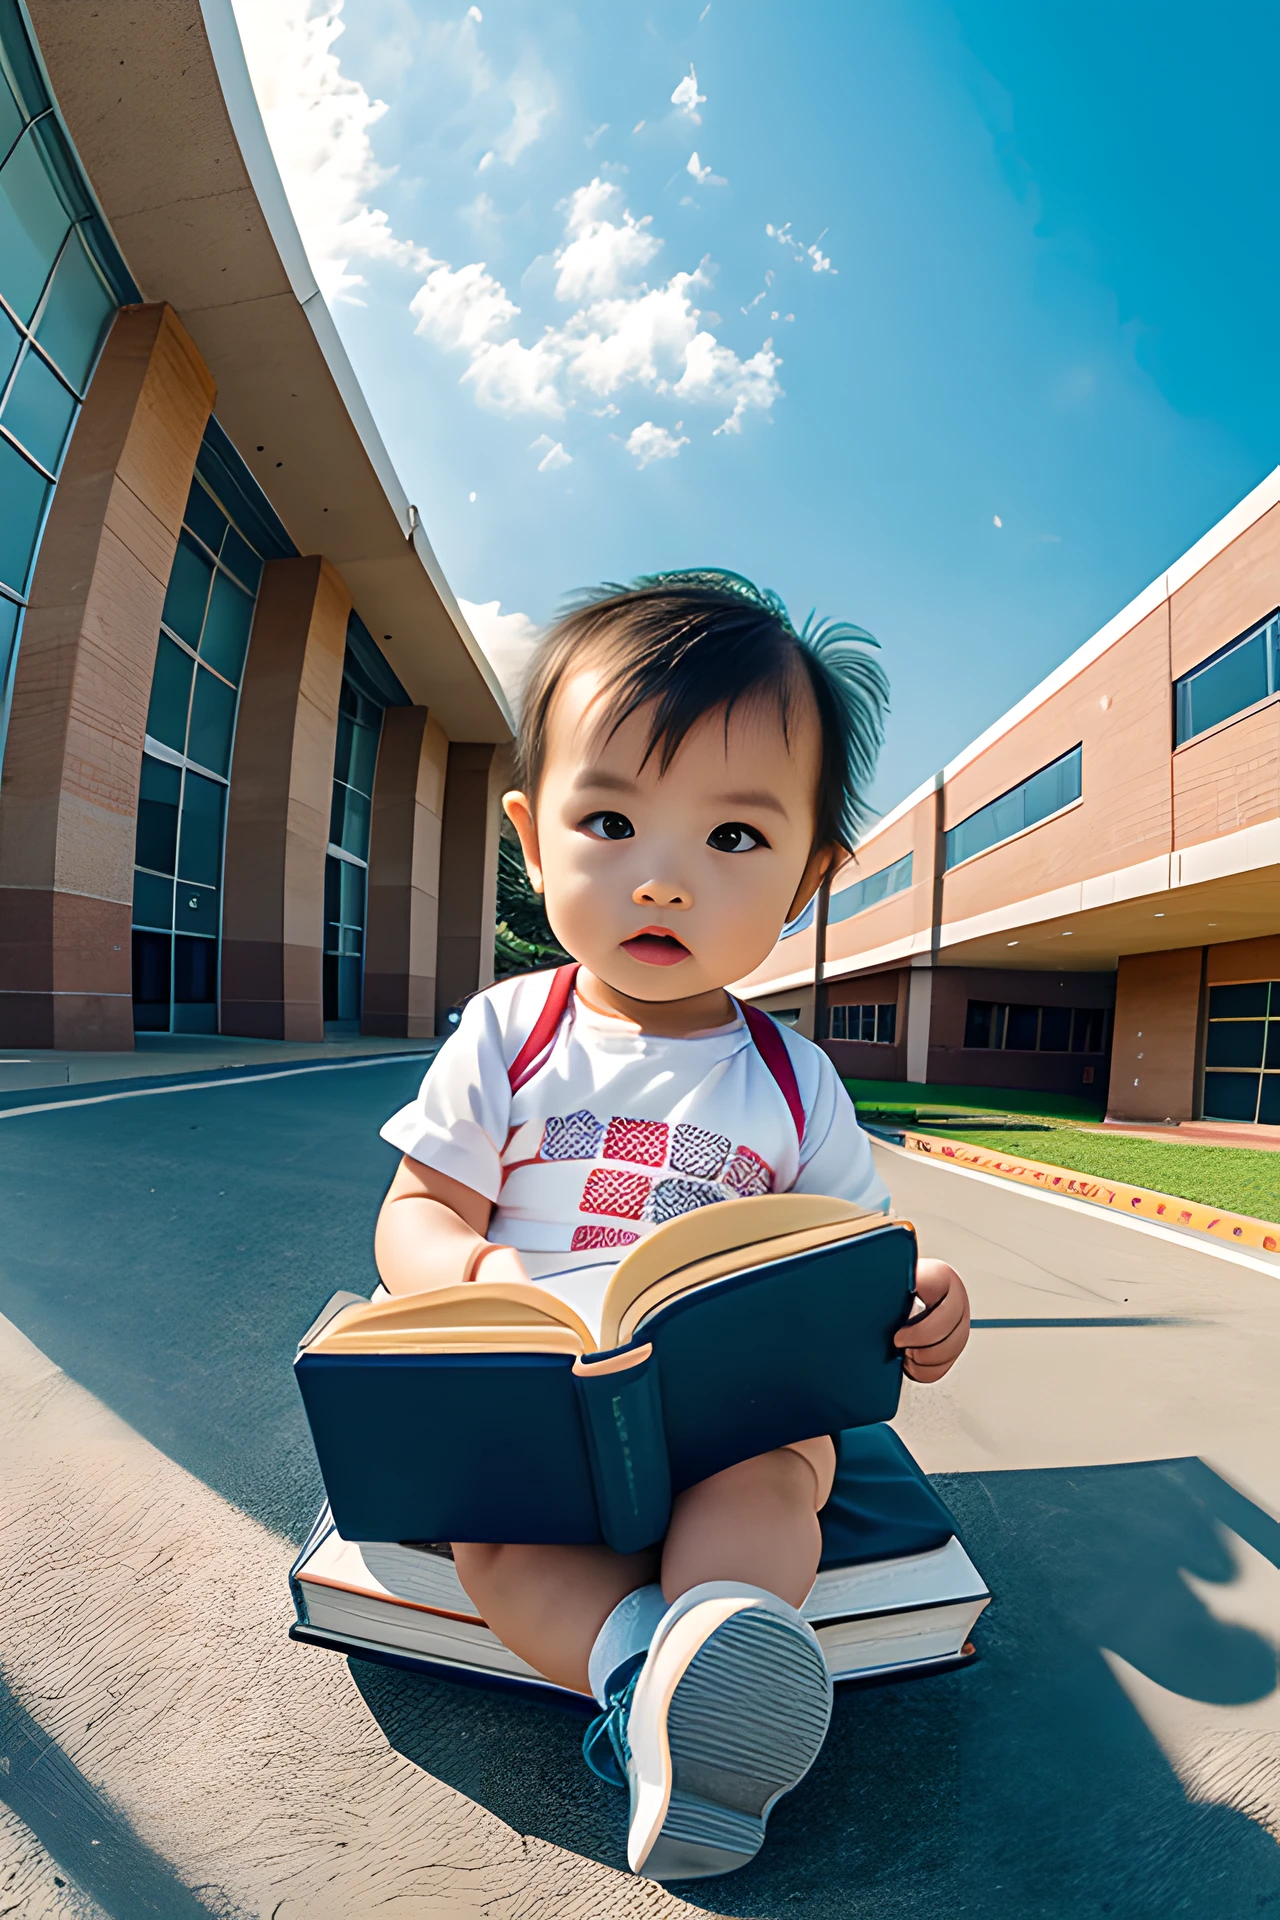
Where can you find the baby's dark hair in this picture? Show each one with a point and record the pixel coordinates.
(700, 642)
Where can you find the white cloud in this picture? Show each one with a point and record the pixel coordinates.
(474, 13)
(818, 260)
(622, 332)
(553, 454)
(461, 308)
(507, 641)
(687, 97)
(703, 175)
(601, 255)
(318, 123)
(510, 378)
(591, 138)
(648, 442)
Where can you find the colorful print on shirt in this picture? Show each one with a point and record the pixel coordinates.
(646, 1170)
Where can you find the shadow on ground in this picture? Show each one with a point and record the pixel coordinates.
(167, 1251)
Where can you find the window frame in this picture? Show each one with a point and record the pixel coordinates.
(1032, 826)
(1268, 620)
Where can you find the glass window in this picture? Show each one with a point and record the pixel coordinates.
(1231, 1096)
(1038, 798)
(33, 224)
(1247, 1001)
(39, 410)
(213, 719)
(1235, 1043)
(1240, 676)
(1089, 1030)
(1055, 1030)
(195, 909)
(195, 971)
(152, 901)
(977, 1023)
(75, 314)
(205, 517)
(1023, 1028)
(11, 117)
(170, 695)
(200, 857)
(886, 1024)
(861, 895)
(1269, 1100)
(10, 345)
(158, 795)
(152, 964)
(188, 592)
(349, 821)
(242, 560)
(226, 628)
(23, 493)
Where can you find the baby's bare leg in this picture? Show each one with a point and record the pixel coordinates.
(756, 1522)
(548, 1603)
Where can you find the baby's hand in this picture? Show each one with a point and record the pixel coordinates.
(931, 1349)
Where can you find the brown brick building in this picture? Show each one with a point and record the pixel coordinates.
(1092, 889)
(251, 752)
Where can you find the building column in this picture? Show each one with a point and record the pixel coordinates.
(69, 799)
(404, 876)
(476, 779)
(1155, 1038)
(278, 805)
(919, 1022)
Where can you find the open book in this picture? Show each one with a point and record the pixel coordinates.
(490, 1412)
(896, 1592)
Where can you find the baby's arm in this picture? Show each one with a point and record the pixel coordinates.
(935, 1339)
(431, 1234)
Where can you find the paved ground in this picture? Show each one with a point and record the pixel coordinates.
(1108, 1445)
(179, 1054)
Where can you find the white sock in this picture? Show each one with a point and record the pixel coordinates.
(627, 1631)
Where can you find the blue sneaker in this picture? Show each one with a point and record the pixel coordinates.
(726, 1714)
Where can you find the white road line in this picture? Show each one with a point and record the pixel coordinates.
(209, 1086)
(1180, 1236)
(145, 1629)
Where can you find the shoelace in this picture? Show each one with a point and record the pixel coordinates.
(605, 1747)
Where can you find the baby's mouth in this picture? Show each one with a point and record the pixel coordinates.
(656, 948)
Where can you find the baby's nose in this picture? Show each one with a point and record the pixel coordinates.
(656, 893)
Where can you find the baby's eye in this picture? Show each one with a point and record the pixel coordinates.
(734, 837)
(608, 826)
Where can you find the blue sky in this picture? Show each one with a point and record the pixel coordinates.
(958, 325)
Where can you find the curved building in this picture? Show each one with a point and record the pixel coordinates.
(250, 751)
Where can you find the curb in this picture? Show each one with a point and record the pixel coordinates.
(1237, 1228)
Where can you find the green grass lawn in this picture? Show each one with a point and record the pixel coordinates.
(1238, 1179)
(904, 1096)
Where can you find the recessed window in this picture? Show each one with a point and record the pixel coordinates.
(857, 898)
(1047, 792)
(1242, 1053)
(346, 868)
(1238, 676)
(872, 1023)
(182, 797)
(1010, 1028)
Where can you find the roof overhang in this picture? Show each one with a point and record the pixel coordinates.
(157, 99)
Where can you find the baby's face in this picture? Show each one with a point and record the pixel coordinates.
(666, 885)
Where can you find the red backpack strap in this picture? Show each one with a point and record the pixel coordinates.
(772, 1049)
(535, 1049)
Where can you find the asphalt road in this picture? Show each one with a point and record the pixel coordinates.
(1108, 1445)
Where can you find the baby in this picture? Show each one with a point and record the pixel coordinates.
(690, 769)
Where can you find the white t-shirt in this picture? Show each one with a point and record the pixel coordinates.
(619, 1131)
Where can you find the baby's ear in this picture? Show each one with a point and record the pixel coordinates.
(520, 814)
(821, 862)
